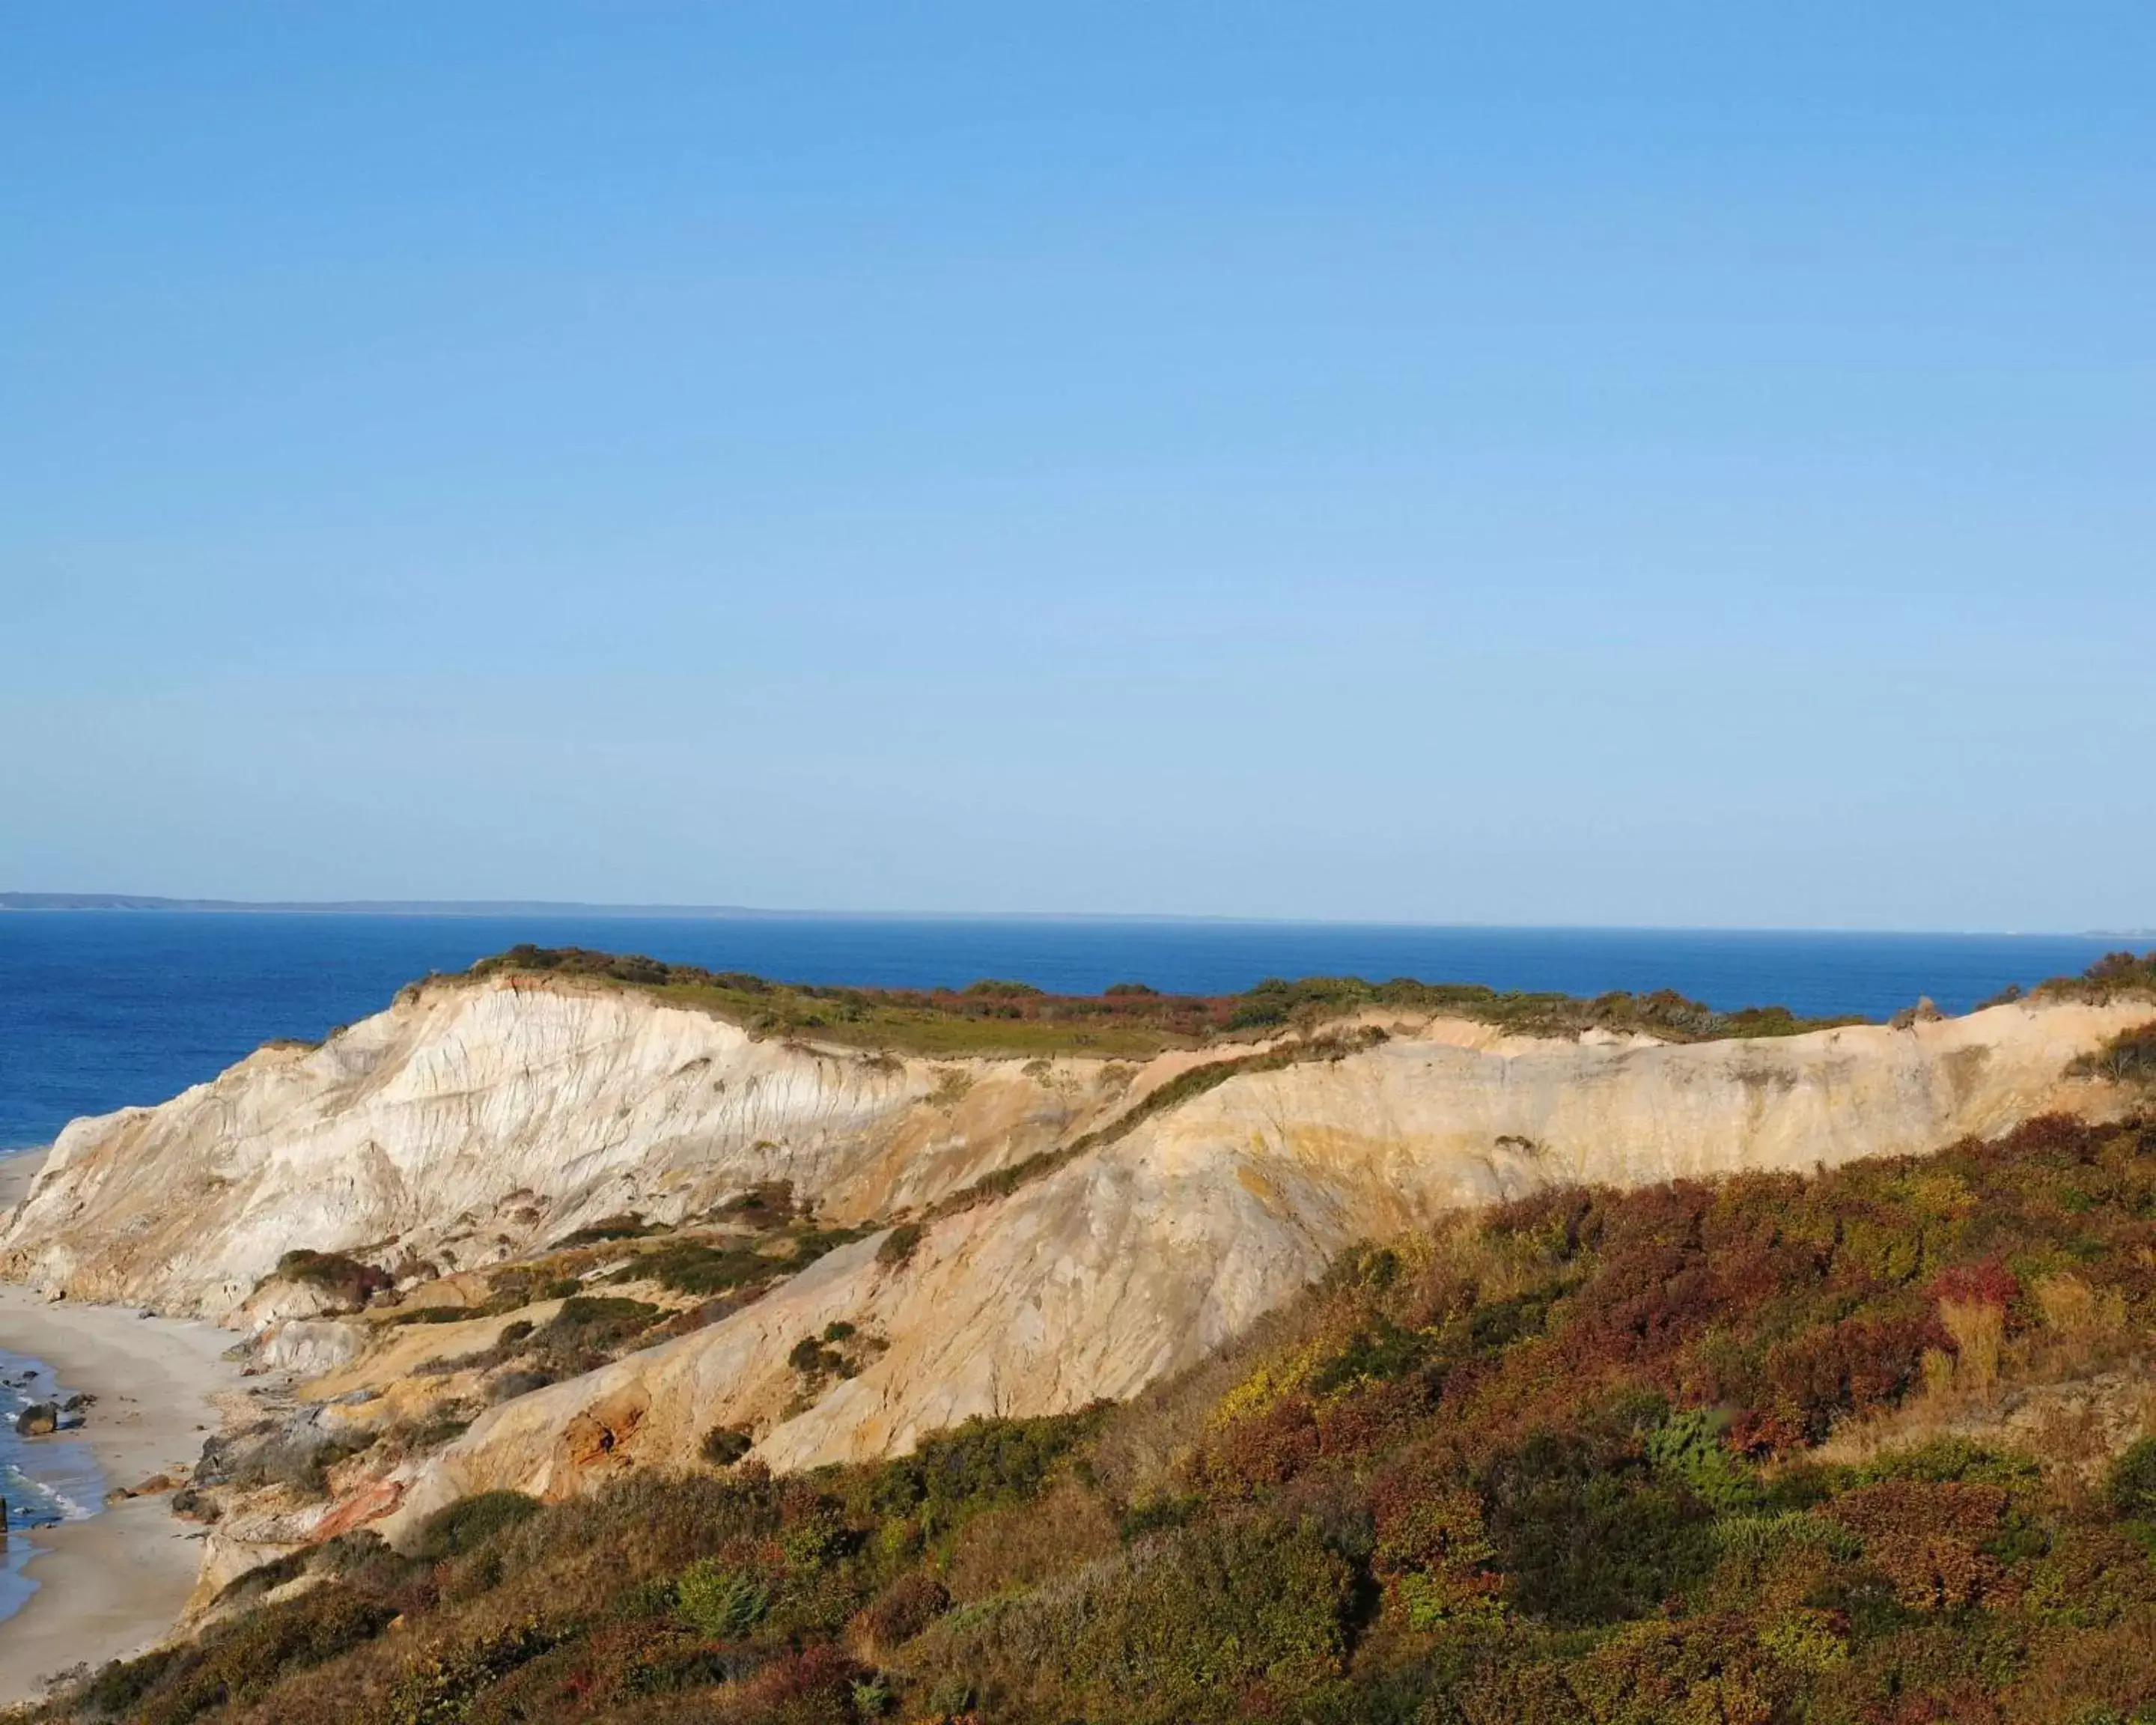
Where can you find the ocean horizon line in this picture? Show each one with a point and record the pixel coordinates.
(142, 903)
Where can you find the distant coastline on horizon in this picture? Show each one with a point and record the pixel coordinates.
(32, 901)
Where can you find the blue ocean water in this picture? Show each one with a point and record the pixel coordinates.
(53, 1479)
(103, 1008)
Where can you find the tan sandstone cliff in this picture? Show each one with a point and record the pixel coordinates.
(471, 1121)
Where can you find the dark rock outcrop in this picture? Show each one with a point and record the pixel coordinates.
(38, 1420)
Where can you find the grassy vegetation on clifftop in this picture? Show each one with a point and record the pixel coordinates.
(1008, 1018)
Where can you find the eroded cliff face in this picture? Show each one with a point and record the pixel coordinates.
(1140, 1258)
(468, 1123)
(472, 1122)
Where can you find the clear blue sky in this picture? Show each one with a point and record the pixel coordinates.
(1540, 463)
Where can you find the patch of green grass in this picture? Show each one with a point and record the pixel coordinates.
(707, 1268)
(1014, 1018)
(442, 1314)
(694, 1266)
(607, 1228)
(470, 1522)
(238, 1661)
(588, 1330)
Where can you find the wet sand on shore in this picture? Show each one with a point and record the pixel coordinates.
(114, 1583)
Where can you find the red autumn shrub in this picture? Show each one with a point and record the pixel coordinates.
(814, 1686)
(1854, 1366)
(1924, 1537)
(1370, 1419)
(1267, 1448)
(1986, 1283)
(905, 1609)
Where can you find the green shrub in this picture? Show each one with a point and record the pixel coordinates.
(2131, 1484)
(899, 1245)
(1189, 1625)
(691, 1266)
(587, 1331)
(436, 1314)
(265, 1577)
(1954, 1461)
(1156, 1515)
(365, 1558)
(723, 1446)
(768, 1203)
(470, 1522)
(719, 1601)
(345, 1279)
(433, 1430)
(509, 1386)
(2128, 1058)
(813, 1360)
(982, 1464)
(810, 1244)
(1688, 1449)
(607, 1228)
(905, 1608)
(1584, 1539)
(120, 1687)
(2115, 974)
(1375, 1352)
(440, 1690)
(246, 1658)
(602, 1313)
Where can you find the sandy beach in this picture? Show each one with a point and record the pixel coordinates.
(18, 1169)
(114, 1585)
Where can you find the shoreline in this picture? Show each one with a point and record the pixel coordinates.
(114, 1583)
(18, 1170)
